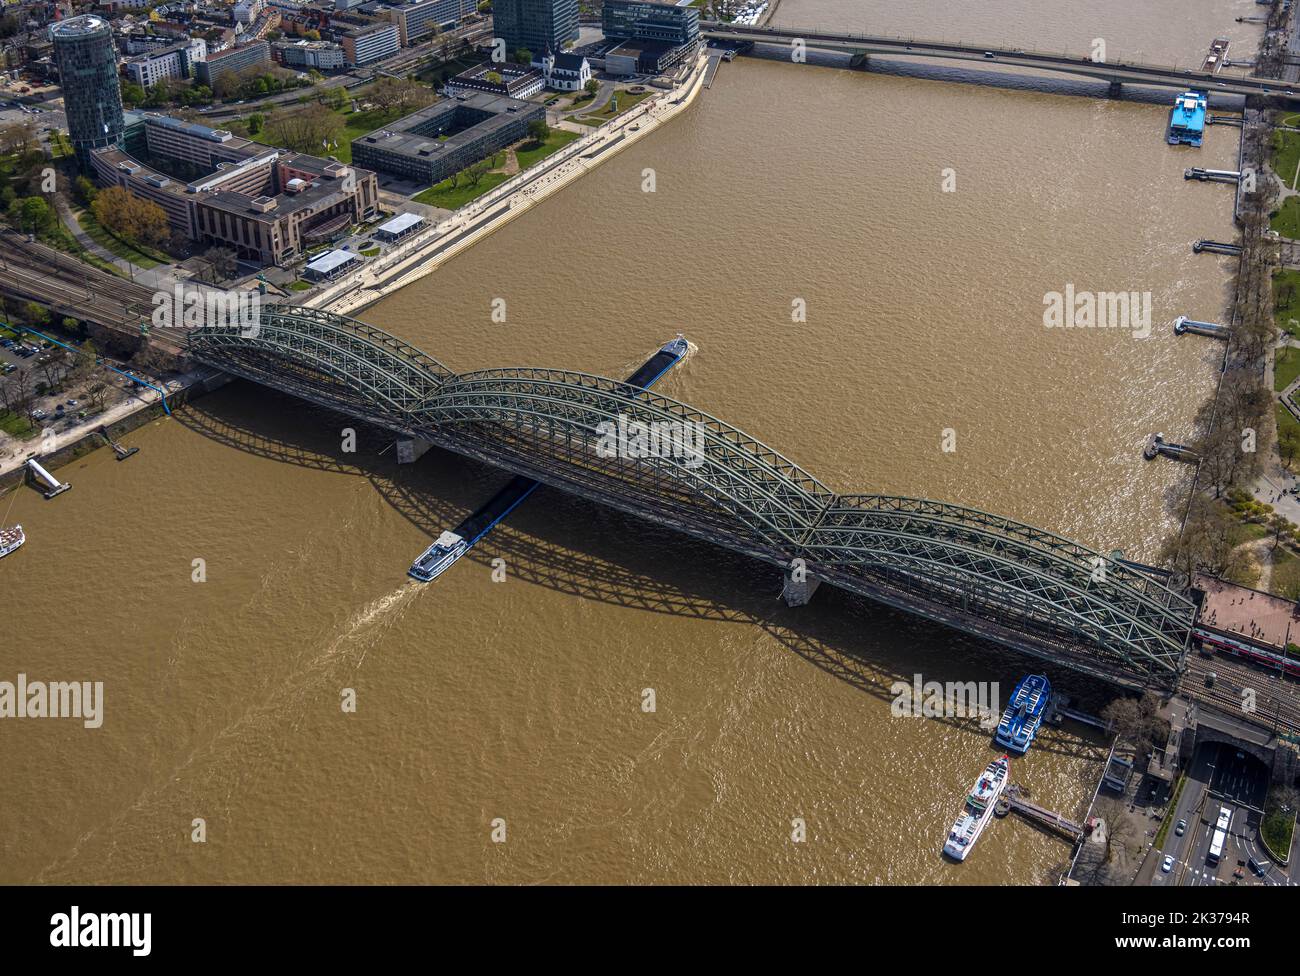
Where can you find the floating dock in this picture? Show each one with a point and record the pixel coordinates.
(1185, 326)
(1216, 247)
(1013, 798)
(1157, 445)
(1236, 120)
(52, 485)
(122, 452)
(1212, 175)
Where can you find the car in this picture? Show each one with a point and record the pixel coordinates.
(989, 54)
(1167, 864)
(1181, 828)
(38, 415)
(1241, 755)
(72, 403)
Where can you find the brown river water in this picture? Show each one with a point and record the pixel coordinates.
(521, 700)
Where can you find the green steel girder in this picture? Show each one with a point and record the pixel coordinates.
(736, 491)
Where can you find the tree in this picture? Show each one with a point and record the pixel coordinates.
(493, 78)
(523, 56)
(592, 86)
(306, 129)
(255, 123)
(1208, 542)
(1138, 721)
(31, 214)
(539, 131)
(132, 94)
(35, 315)
(131, 218)
(17, 139)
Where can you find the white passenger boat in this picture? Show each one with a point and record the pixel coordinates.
(978, 809)
(10, 539)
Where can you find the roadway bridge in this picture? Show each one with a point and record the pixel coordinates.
(984, 574)
(1116, 73)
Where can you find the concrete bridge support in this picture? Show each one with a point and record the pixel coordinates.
(860, 62)
(411, 449)
(1116, 90)
(799, 587)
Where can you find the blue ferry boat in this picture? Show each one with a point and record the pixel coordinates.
(1024, 713)
(1187, 118)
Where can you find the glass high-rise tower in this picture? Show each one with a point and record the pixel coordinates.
(538, 25)
(92, 97)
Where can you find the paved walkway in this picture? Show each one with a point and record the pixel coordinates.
(162, 277)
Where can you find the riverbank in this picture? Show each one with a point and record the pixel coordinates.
(120, 419)
(427, 252)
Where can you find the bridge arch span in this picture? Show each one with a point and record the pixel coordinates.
(1028, 588)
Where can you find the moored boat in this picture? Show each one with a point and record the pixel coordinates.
(1024, 713)
(980, 803)
(10, 539)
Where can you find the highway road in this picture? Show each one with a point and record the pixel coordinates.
(1219, 777)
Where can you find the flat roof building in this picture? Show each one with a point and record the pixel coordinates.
(267, 204)
(331, 265)
(446, 137)
(399, 228)
(368, 44)
(642, 20)
(512, 80)
(235, 59)
(417, 20)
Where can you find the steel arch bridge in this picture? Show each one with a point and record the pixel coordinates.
(683, 469)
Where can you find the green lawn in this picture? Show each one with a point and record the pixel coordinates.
(101, 236)
(529, 154)
(299, 285)
(355, 125)
(1287, 220)
(453, 198)
(626, 102)
(1286, 155)
(17, 426)
(1286, 301)
(1286, 368)
(60, 145)
(532, 153)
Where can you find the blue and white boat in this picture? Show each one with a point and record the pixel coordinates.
(1187, 118)
(1024, 713)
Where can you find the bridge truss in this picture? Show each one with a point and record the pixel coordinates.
(1026, 588)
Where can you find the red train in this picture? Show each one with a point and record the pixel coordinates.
(1269, 659)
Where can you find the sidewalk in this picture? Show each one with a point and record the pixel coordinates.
(140, 399)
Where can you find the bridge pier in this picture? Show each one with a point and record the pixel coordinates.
(1116, 90)
(860, 62)
(797, 593)
(411, 449)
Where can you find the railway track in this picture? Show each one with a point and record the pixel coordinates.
(1276, 697)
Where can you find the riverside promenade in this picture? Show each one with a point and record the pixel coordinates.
(427, 251)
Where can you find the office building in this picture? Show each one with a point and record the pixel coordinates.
(368, 44)
(435, 142)
(236, 59)
(92, 95)
(538, 26)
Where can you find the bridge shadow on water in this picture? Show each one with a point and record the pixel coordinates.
(583, 550)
